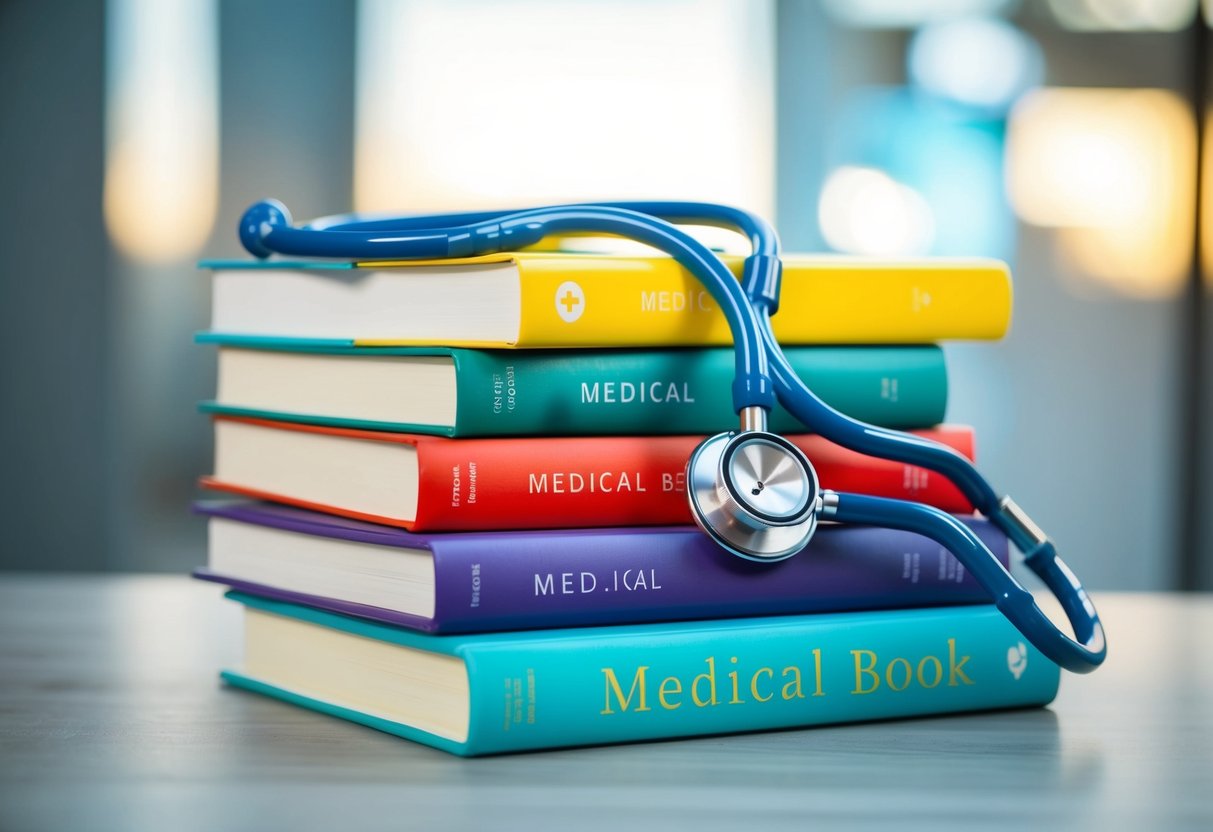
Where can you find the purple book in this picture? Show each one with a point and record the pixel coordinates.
(495, 581)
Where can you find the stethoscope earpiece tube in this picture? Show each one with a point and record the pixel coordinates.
(258, 222)
(266, 228)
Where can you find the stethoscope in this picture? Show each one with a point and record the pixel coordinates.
(752, 491)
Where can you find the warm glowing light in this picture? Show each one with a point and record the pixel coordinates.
(981, 62)
(865, 211)
(1123, 15)
(510, 104)
(1206, 202)
(1116, 171)
(906, 14)
(162, 135)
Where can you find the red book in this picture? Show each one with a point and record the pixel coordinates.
(431, 483)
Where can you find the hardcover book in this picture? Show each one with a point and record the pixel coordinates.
(476, 582)
(543, 299)
(486, 694)
(432, 483)
(464, 392)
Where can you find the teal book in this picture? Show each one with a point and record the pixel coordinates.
(469, 392)
(518, 691)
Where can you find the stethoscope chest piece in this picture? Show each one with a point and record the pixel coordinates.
(755, 493)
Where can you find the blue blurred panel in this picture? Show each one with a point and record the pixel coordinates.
(950, 154)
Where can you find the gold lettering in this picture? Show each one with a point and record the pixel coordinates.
(754, 684)
(669, 686)
(711, 677)
(860, 670)
(888, 674)
(922, 678)
(612, 685)
(792, 689)
(736, 700)
(956, 668)
(817, 672)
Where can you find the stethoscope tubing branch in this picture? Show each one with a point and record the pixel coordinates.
(1080, 655)
(762, 373)
(1016, 603)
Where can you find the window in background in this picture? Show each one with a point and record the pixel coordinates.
(941, 169)
(918, 168)
(162, 127)
(161, 198)
(906, 14)
(1123, 15)
(500, 104)
(1091, 385)
(1114, 170)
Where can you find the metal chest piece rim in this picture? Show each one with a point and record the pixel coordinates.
(754, 493)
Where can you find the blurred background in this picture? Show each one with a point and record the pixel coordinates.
(1065, 136)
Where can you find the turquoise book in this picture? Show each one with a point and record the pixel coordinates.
(471, 392)
(519, 691)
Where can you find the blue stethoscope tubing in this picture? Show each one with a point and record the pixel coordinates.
(762, 373)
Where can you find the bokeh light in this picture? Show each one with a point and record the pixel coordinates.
(866, 211)
(980, 62)
(906, 14)
(162, 128)
(1115, 169)
(683, 104)
(1123, 15)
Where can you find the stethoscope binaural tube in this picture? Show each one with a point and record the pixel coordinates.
(773, 523)
(266, 228)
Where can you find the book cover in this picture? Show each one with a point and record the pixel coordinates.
(544, 299)
(430, 483)
(506, 692)
(557, 392)
(485, 581)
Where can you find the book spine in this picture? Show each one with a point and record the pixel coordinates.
(540, 483)
(527, 580)
(621, 684)
(657, 303)
(761, 676)
(592, 392)
(610, 687)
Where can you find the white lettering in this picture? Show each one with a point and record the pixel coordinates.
(694, 301)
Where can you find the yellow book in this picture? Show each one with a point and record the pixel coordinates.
(545, 299)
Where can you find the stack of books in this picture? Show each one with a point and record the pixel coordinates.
(464, 517)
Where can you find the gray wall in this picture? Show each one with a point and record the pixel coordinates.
(286, 86)
(99, 438)
(54, 288)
